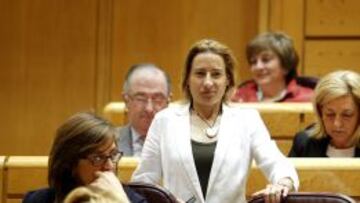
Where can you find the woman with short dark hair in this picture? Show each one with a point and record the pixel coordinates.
(273, 60)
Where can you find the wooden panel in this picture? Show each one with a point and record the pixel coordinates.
(281, 124)
(13, 200)
(287, 16)
(309, 118)
(324, 56)
(284, 145)
(283, 120)
(332, 18)
(49, 69)
(318, 175)
(25, 173)
(2, 171)
(126, 168)
(116, 113)
(163, 31)
(104, 52)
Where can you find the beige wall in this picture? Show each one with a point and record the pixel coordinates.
(50, 68)
(326, 32)
(163, 31)
(59, 57)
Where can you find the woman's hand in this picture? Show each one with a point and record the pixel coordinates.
(273, 193)
(106, 180)
(110, 183)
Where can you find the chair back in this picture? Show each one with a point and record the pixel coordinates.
(307, 81)
(152, 193)
(309, 197)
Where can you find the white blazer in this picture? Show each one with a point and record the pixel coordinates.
(167, 155)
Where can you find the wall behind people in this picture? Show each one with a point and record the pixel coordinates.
(51, 60)
(162, 31)
(59, 57)
(326, 32)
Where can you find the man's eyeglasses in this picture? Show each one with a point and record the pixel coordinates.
(99, 160)
(157, 101)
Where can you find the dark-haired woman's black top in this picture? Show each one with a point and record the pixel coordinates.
(306, 146)
(47, 195)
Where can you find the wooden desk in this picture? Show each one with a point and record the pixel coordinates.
(116, 113)
(2, 171)
(339, 175)
(283, 120)
(24, 173)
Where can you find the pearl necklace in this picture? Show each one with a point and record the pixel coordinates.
(211, 131)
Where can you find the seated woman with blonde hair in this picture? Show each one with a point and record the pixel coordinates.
(337, 130)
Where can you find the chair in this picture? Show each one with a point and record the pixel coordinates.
(152, 193)
(307, 81)
(309, 197)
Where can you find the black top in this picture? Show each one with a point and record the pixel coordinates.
(47, 195)
(306, 146)
(203, 156)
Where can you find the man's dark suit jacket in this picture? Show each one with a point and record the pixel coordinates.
(306, 146)
(47, 195)
(124, 140)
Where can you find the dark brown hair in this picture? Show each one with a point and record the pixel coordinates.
(279, 43)
(79, 136)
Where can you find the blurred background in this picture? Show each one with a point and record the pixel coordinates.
(58, 57)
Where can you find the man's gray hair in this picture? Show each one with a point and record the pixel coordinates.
(145, 66)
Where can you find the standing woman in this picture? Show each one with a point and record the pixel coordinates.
(202, 151)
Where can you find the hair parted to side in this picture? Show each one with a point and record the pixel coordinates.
(279, 43)
(76, 138)
(332, 86)
(145, 66)
(212, 46)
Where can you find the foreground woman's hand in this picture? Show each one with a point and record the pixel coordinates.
(109, 182)
(273, 193)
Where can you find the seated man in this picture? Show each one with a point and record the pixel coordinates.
(146, 91)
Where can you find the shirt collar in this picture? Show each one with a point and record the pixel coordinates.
(291, 89)
(136, 138)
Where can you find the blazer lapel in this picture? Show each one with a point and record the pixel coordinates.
(185, 151)
(224, 139)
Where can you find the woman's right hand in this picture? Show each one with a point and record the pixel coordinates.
(109, 182)
(106, 180)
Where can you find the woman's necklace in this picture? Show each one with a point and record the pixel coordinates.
(212, 130)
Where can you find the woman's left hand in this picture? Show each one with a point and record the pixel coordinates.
(273, 193)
